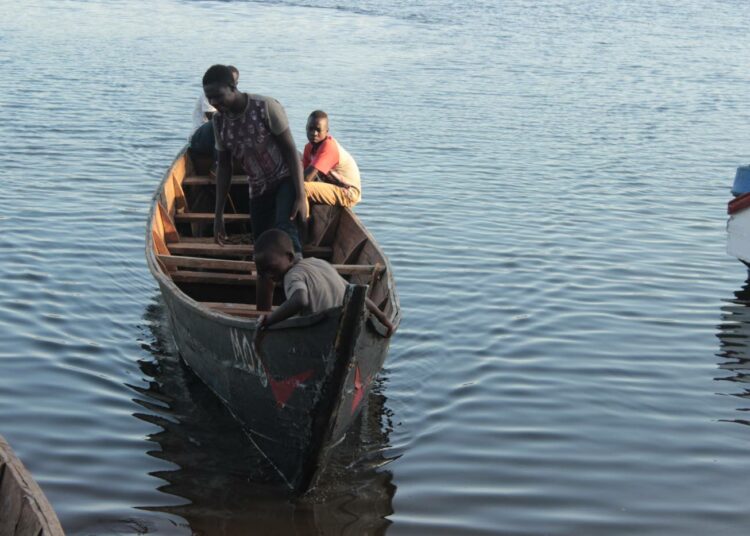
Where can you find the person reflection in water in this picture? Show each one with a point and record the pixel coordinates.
(311, 285)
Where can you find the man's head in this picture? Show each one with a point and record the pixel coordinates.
(274, 254)
(235, 73)
(317, 126)
(220, 87)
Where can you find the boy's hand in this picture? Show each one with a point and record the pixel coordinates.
(390, 328)
(263, 322)
(299, 208)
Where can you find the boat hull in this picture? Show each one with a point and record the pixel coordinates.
(738, 234)
(297, 388)
(24, 510)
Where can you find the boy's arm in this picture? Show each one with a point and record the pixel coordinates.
(334, 177)
(291, 156)
(310, 173)
(223, 180)
(296, 302)
(380, 315)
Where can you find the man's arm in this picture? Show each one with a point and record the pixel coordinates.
(223, 181)
(295, 304)
(380, 315)
(291, 156)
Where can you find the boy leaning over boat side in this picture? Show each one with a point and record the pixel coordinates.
(331, 174)
(254, 130)
(311, 285)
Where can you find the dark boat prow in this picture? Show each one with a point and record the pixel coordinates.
(24, 510)
(352, 319)
(298, 388)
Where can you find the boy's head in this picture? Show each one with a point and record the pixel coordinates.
(220, 87)
(317, 126)
(235, 73)
(274, 254)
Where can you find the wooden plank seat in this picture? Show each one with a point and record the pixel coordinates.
(208, 217)
(205, 180)
(211, 249)
(216, 278)
(174, 261)
(236, 309)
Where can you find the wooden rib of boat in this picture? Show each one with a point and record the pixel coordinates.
(297, 388)
(24, 510)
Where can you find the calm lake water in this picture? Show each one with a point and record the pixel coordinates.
(549, 179)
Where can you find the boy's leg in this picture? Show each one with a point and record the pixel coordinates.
(261, 219)
(262, 210)
(324, 193)
(286, 196)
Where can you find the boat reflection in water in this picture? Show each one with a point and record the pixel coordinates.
(229, 486)
(734, 337)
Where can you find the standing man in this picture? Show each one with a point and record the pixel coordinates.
(254, 130)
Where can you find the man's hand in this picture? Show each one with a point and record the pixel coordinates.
(263, 322)
(220, 234)
(299, 208)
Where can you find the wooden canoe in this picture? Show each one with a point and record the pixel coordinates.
(24, 510)
(296, 389)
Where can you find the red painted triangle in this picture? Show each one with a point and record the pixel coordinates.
(283, 389)
(359, 390)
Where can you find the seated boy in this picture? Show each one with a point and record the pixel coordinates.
(310, 285)
(331, 174)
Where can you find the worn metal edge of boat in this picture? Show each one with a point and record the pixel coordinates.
(24, 509)
(344, 384)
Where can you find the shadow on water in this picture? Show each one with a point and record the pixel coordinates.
(734, 337)
(228, 486)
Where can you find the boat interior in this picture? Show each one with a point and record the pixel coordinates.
(223, 277)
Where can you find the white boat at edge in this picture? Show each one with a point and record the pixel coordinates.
(738, 225)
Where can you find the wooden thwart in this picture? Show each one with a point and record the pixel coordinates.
(213, 278)
(192, 217)
(246, 266)
(235, 309)
(220, 278)
(233, 250)
(212, 249)
(208, 264)
(205, 180)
